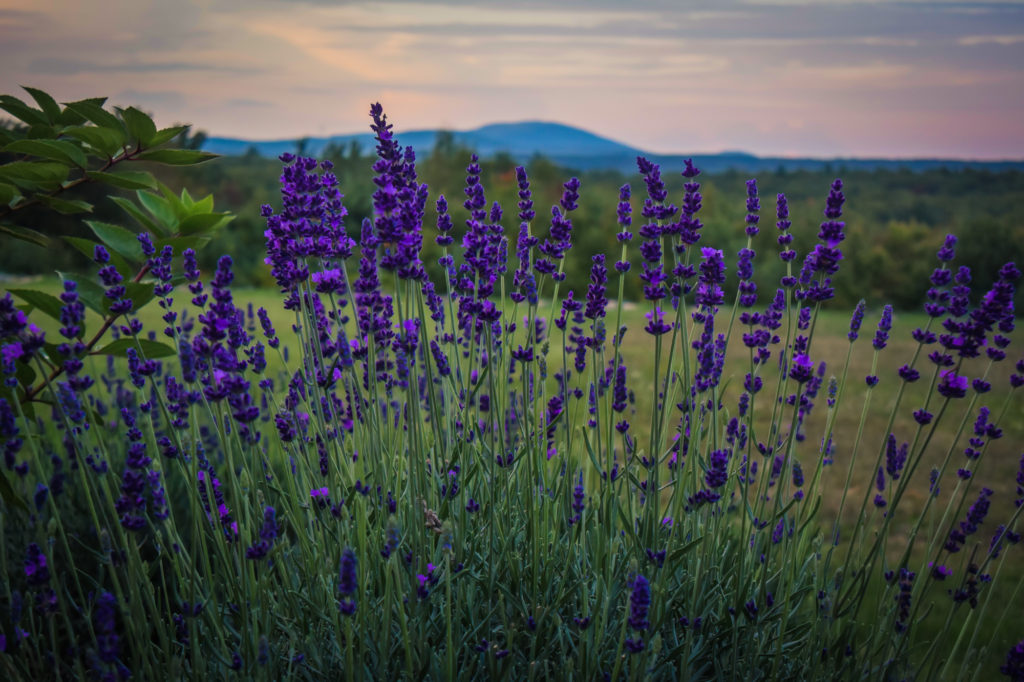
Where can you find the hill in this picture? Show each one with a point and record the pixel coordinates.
(580, 149)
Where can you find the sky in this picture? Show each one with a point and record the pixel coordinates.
(824, 78)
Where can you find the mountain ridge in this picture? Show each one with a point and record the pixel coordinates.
(580, 149)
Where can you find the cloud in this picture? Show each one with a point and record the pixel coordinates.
(1004, 40)
(16, 17)
(162, 99)
(740, 72)
(62, 66)
(245, 102)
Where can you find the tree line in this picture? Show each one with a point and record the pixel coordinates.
(895, 220)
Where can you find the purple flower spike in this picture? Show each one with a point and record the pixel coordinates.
(100, 255)
(856, 320)
(624, 214)
(146, 242)
(802, 369)
(268, 534)
(947, 251)
(689, 224)
(884, 326)
(525, 205)
(104, 621)
(718, 469)
(1014, 666)
(639, 603)
(895, 457)
(753, 206)
(444, 223)
(656, 325)
(712, 275)
(952, 385)
(36, 571)
(783, 224)
(347, 582)
(975, 516)
(824, 260)
(597, 301)
(310, 226)
(909, 374)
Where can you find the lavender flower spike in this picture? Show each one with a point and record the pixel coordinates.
(639, 603)
(347, 582)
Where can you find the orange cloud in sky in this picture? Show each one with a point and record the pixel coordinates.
(811, 77)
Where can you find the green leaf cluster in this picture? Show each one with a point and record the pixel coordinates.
(50, 154)
(49, 149)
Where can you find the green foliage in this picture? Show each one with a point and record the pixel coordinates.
(894, 216)
(58, 162)
(50, 151)
(150, 349)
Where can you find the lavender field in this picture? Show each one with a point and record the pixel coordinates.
(370, 472)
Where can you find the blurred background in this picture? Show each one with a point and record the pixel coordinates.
(916, 105)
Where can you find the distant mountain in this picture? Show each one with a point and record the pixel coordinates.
(579, 149)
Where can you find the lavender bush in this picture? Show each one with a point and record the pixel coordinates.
(397, 477)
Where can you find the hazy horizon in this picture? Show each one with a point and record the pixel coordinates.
(696, 152)
(798, 78)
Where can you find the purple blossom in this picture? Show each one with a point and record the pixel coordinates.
(559, 236)
(689, 225)
(884, 326)
(310, 225)
(525, 205)
(753, 206)
(909, 374)
(783, 224)
(895, 457)
(906, 587)
(578, 496)
(639, 603)
(718, 469)
(656, 325)
(104, 621)
(802, 369)
(597, 301)
(798, 479)
(975, 515)
(947, 252)
(1014, 666)
(444, 223)
(624, 215)
(745, 271)
(712, 275)
(824, 260)
(268, 534)
(347, 582)
(37, 572)
(951, 385)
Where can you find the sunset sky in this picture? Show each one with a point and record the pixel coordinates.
(772, 77)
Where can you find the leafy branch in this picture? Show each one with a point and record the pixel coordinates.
(58, 148)
(52, 150)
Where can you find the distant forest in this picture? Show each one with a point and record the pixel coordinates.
(895, 220)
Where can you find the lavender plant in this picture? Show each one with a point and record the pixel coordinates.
(461, 478)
